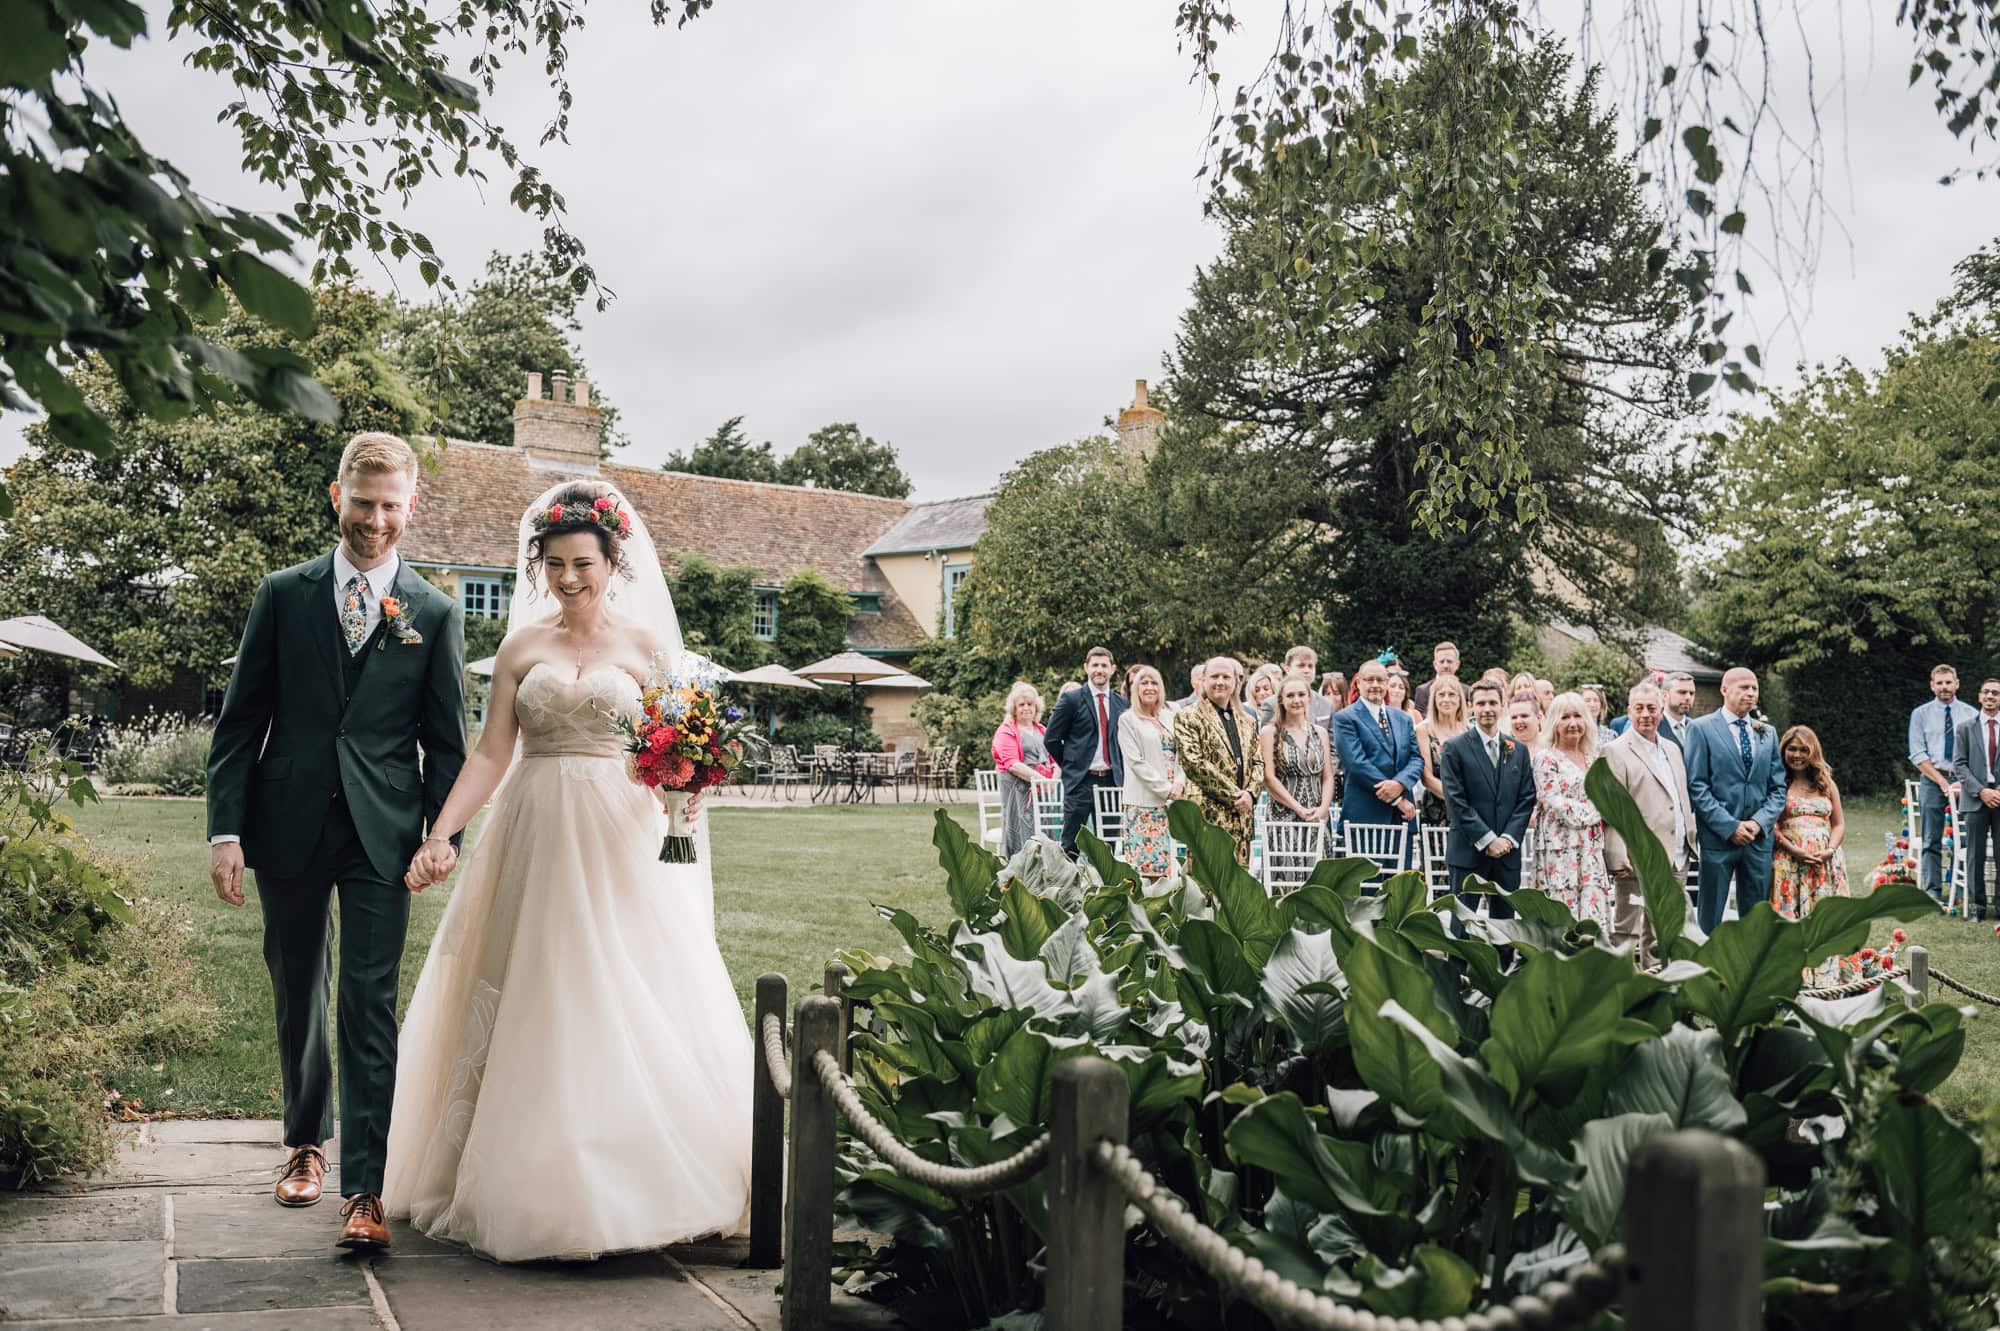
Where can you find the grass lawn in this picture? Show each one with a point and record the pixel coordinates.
(793, 884)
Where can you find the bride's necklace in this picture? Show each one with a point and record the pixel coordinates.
(583, 651)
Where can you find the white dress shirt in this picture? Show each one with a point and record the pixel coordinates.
(1490, 741)
(1101, 763)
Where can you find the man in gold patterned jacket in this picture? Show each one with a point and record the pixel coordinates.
(1217, 739)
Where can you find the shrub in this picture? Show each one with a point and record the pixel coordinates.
(166, 751)
(827, 729)
(1412, 1121)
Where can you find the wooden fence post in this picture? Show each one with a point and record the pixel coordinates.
(1086, 1276)
(835, 988)
(808, 1298)
(1919, 960)
(1694, 1235)
(767, 1138)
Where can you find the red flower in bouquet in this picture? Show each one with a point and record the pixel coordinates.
(683, 739)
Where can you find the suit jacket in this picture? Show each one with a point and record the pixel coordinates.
(1368, 756)
(1676, 737)
(1480, 798)
(1071, 735)
(1722, 793)
(1656, 800)
(1968, 764)
(1206, 758)
(288, 732)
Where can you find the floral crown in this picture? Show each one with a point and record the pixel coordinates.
(604, 511)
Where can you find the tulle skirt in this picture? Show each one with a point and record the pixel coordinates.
(574, 1075)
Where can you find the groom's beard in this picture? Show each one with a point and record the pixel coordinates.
(366, 545)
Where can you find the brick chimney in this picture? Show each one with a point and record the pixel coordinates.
(563, 427)
(1139, 425)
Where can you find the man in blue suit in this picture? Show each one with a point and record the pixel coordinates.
(1379, 755)
(1082, 737)
(1736, 782)
(1489, 795)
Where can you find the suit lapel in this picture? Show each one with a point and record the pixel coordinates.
(321, 614)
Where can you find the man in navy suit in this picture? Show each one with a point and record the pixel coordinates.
(1379, 754)
(1489, 795)
(1736, 782)
(1082, 737)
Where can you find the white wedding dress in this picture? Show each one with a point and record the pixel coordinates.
(574, 1076)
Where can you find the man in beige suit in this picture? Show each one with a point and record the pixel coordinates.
(1650, 767)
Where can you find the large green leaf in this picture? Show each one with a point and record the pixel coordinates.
(268, 293)
(1681, 1075)
(1068, 954)
(1929, 1043)
(1008, 983)
(1277, 1134)
(971, 872)
(1392, 1061)
(1839, 925)
(1926, 1166)
(1559, 1016)
(1241, 904)
(1438, 1283)
(1219, 958)
(1026, 920)
(1157, 1084)
(1478, 1098)
(1043, 868)
(1113, 872)
(1666, 898)
(1015, 1081)
(1604, 1149)
(1302, 988)
(1100, 1012)
(1757, 961)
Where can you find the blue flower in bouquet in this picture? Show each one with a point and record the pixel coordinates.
(732, 713)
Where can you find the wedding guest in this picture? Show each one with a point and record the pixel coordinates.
(1680, 709)
(1524, 720)
(1262, 691)
(1594, 704)
(1217, 741)
(1569, 832)
(1022, 759)
(1195, 675)
(1932, 753)
(1522, 682)
(1807, 864)
(1399, 695)
(1083, 739)
(1736, 782)
(1445, 722)
(1490, 794)
(1652, 771)
(1497, 677)
(1304, 661)
(1153, 777)
(1298, 767)
(1444, 661)
(1333, 688)
(1378, 754)
(1545, 694)
(1977, 775)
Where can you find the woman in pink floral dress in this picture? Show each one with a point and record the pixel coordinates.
(1568, 832)
(1807, 863)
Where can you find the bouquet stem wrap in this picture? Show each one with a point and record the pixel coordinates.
(678, 848)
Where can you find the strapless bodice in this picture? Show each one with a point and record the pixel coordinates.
(567, 717)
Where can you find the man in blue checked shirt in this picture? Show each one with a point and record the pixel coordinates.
(1931, 742)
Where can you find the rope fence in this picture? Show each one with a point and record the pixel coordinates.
(1979, 994)
(1692, 1257)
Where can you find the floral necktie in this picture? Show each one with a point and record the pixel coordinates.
(354, 613)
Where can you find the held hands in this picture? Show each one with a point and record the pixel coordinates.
(1746, 831)
(432, 863)
(1388, 791)
(1500, 847)
(225, 870)
(1990, 798)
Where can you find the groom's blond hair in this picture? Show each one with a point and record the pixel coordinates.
(377, 451)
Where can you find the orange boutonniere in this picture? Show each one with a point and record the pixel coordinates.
(398, 619)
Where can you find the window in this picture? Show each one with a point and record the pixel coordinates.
(764, 616)
(485, 598)
(953, 575)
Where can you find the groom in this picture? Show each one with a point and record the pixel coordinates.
(339, 738)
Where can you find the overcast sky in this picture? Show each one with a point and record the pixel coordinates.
(969, 228)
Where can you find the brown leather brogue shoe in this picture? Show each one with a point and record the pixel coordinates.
(304, 1176)
(365, 1230)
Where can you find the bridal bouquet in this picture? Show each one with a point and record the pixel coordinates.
(684, 739)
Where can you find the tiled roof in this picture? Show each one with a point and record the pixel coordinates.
(949, 524)
(1663, 649)
(469, 509)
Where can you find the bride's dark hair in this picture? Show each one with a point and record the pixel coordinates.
(573, 509)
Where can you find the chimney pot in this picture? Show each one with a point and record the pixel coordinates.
(534, 392)
(1139, 394)
(559, 387)
(582, 392)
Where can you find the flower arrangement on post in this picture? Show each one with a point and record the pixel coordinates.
(684, 740)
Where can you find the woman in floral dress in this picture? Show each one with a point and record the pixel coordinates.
(1807, 863)
(1567, 829)
(1152, 776)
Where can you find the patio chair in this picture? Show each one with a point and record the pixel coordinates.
(1111, 814)
(1384, 843)
(786, 770)
(906, 770)
(1290, 852)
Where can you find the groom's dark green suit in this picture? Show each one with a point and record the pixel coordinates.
(329, 765)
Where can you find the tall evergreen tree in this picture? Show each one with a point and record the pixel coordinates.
(727, 453)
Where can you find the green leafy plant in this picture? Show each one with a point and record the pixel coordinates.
(1400, 1103)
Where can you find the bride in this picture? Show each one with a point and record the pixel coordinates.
(575, 1069)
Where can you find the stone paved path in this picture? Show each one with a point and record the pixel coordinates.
(181, 1234)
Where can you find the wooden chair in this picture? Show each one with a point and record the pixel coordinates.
(1384, 843)
(1111, 814)
(1290, 852)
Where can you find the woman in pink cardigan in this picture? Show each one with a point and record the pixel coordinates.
(1021, 760)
